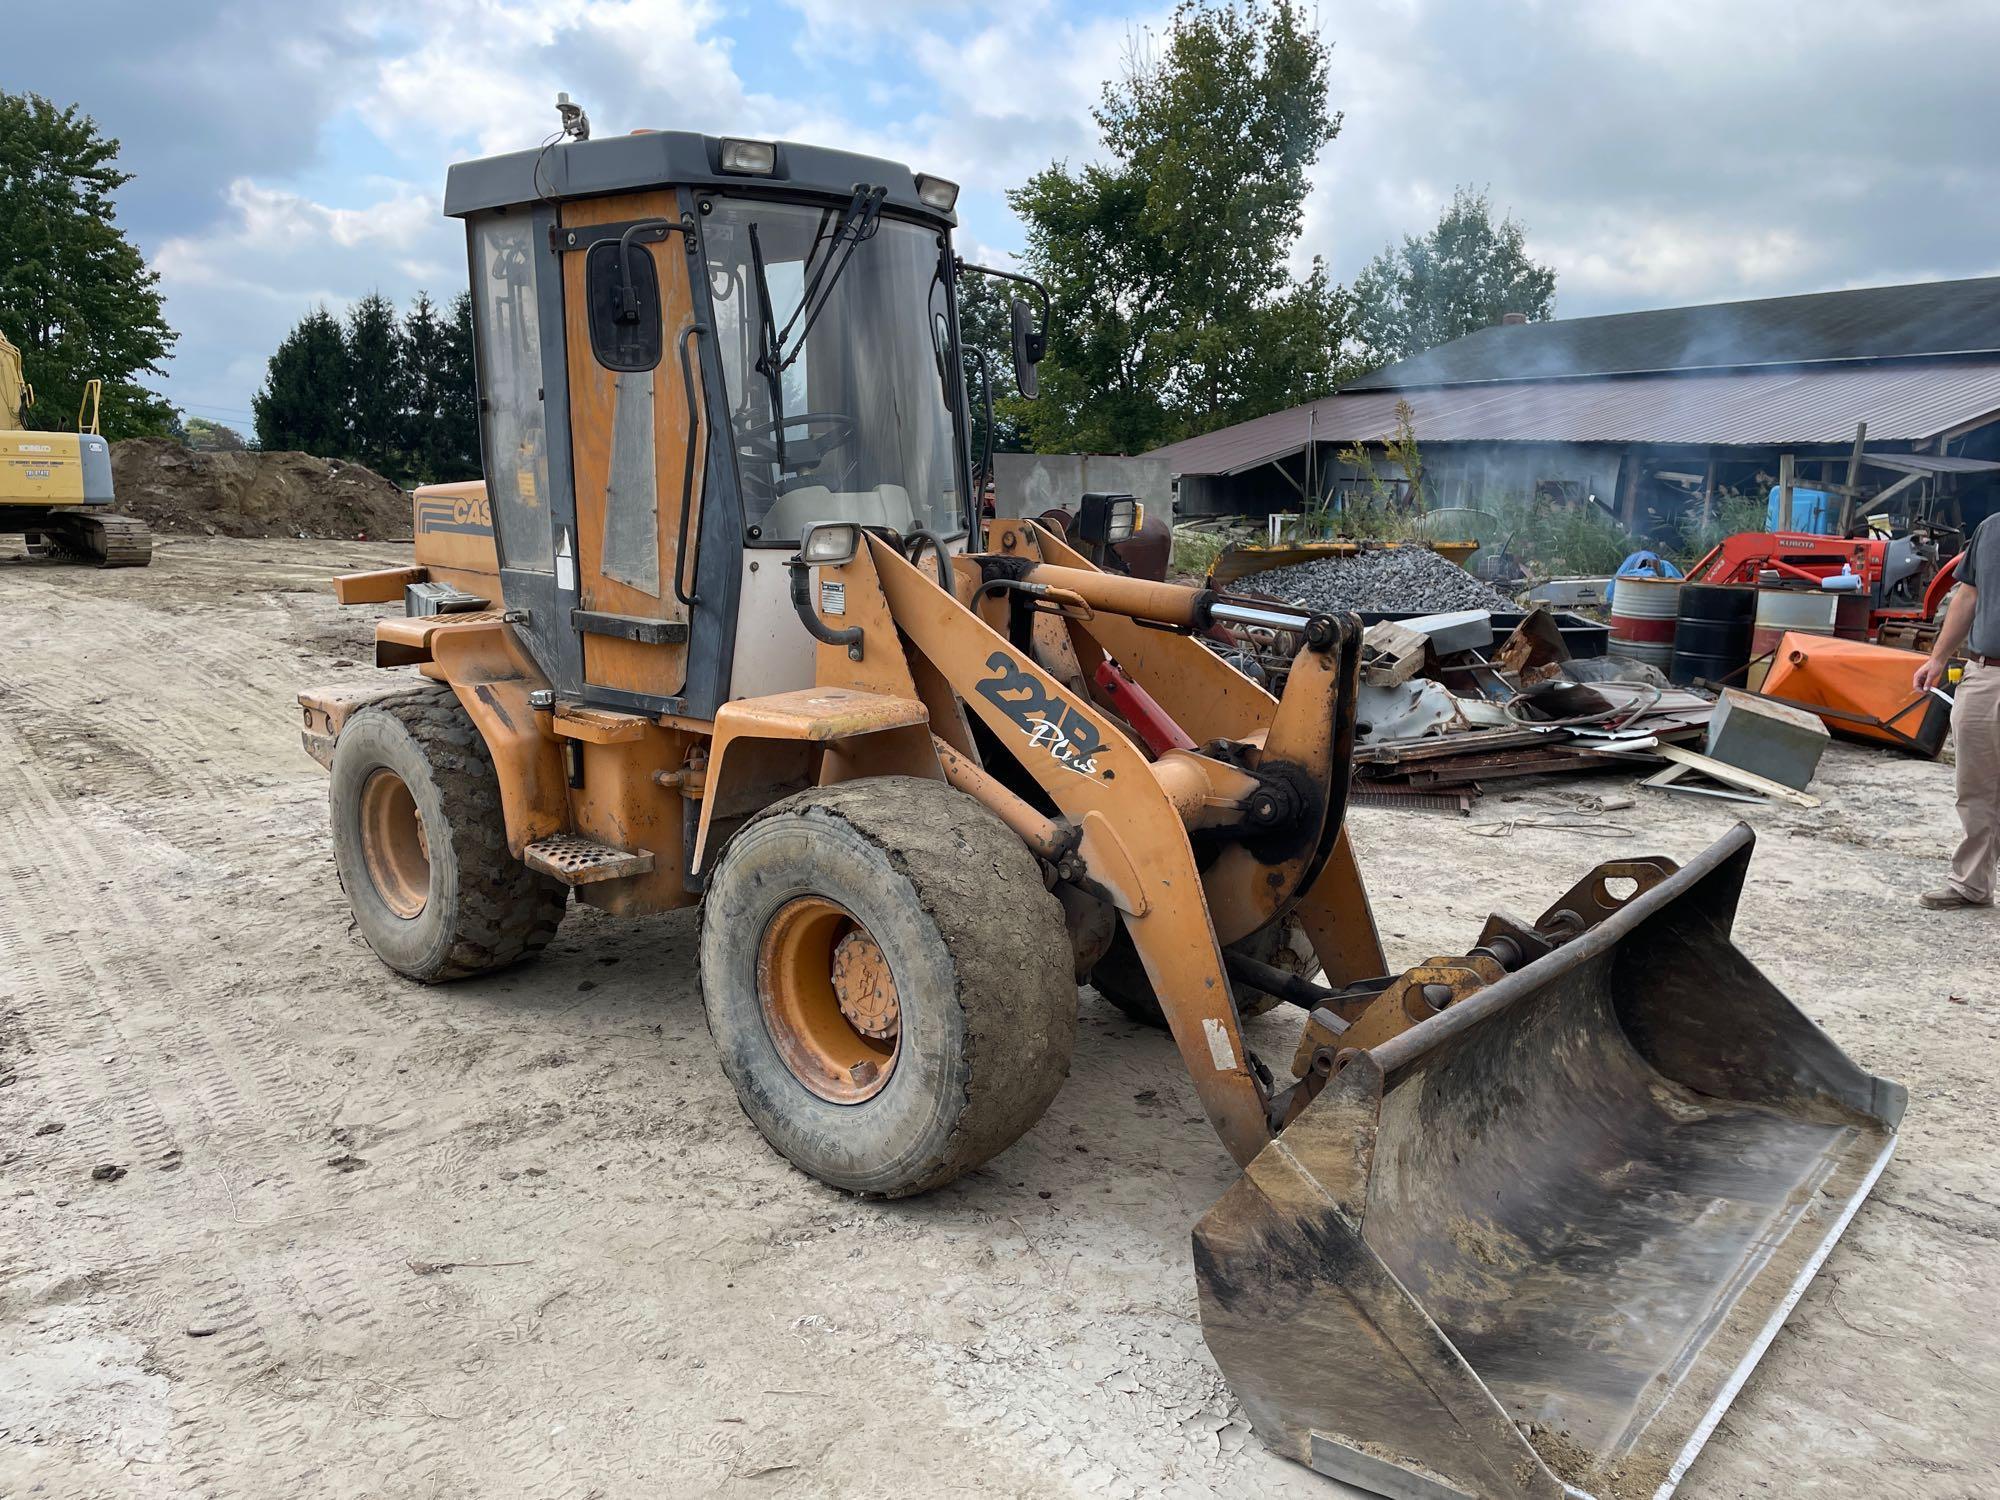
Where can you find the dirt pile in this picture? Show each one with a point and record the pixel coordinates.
(173, 489)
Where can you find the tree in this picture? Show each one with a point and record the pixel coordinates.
(458, 412)
(427, 375)
(205, 436)
(1457, 279)
(304, 400)
(986, 335)
(75, 294)
(375, 382)
(397, 394)
(1174, 311)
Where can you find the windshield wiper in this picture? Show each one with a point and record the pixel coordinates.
(768, 364)
(858, 222)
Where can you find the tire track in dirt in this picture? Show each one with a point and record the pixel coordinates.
(253, 1117)
(72, 1009)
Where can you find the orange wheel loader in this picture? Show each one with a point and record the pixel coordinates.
(722, 625)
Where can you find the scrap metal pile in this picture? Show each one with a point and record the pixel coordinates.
(1446, 705)
(1475, 690)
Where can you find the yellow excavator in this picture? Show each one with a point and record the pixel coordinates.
(724, 626)
(55, 486)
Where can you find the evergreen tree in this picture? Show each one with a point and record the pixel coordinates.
(458, 420)
(75, 295)
(304, 401)
(427, 375)
(375, 385)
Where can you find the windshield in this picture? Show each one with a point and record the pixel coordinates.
(834, 327)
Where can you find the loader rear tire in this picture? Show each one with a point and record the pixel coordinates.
(420, 842)
(920, 883)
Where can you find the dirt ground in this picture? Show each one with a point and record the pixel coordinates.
(514, 1238)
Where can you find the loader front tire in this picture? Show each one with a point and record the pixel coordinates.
(420, 842)
(888, 982)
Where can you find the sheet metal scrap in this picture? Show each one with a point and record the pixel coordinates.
(1405, 797)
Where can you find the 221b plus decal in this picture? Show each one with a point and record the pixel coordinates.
(1070, 739)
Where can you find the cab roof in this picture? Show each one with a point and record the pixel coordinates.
(668, 158)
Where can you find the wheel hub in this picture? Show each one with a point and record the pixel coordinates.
(830, 1003)
(393, 844)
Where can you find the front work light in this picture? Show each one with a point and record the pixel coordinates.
(749, 158)
(830, 543)
(935, 192)
(1105, 519)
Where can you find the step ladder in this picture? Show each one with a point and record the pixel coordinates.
(576, 860)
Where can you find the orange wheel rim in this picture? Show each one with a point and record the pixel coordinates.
(393, 845)
(830, 1003)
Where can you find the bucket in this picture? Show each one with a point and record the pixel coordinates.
(1807, 611)
(1530, 1248)
(1643, 615)
(1712, 635)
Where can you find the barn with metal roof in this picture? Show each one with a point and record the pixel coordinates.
(1891, 391)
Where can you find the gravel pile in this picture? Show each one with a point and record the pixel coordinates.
(1398, 578)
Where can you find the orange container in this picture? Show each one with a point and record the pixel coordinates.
(1859, 691)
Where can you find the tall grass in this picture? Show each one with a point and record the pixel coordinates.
(1196, 549)
(1551, 540)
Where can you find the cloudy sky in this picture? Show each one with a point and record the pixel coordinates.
(1659, 151)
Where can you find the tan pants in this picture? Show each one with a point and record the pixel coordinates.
(1975, 727)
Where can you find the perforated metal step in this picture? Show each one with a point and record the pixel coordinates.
(575, 860)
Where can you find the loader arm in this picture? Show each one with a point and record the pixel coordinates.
(1211, 700)
(1134, 842)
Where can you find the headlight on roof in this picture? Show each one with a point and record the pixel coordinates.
(935, 192)
(749, 158)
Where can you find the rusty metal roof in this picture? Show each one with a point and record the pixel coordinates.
(1924, 319)
(1901, 401)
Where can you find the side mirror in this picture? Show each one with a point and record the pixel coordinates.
(1029, 344)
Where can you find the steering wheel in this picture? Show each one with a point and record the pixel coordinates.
(760, 440)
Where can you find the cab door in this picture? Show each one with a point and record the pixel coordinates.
(635, 412)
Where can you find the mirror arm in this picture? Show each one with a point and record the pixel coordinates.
(1041, 291)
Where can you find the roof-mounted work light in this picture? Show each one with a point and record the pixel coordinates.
(749, 158)
(935, 192)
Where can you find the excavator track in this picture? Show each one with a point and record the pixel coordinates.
(100, 540)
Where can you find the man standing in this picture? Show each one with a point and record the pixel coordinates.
(1973, 621)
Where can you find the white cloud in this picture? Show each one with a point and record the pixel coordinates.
(1658, 151)
(486, 72)
(236, 289)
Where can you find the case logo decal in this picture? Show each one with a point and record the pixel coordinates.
(468, 514)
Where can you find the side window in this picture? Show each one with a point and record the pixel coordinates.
(510, 380)
(624, 318)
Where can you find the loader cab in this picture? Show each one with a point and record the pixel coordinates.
(690, 350)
